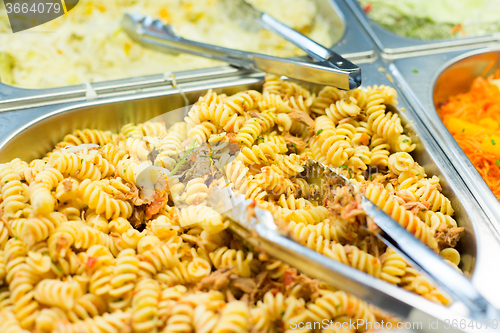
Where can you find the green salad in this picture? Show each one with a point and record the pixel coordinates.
(437, 19)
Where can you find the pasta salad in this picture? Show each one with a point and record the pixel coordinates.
(112, 231)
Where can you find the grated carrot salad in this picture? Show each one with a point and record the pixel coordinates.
(473, 119)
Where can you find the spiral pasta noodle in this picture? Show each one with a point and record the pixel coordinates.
(234, 318)
(343, 109)
(326, 97)
(70, 164)
(94, 196)
(153, 128)
(58, 293)
(412, 223)
(253, 127)
(14, 192)
(274, 182)
(227, 258)
(145, 306)
(109, 322)
(22, 280)
(393, 267)
(125, 271)
(437, 201)
(331, 148)
(328, 305)
(263, 153)
(9, 322)
(87, 136)
(87, 306)
(40, 190)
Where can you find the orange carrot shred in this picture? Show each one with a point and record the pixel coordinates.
(483, 100)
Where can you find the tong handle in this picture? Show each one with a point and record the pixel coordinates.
(259, 231)
(398, 301)
(413, 250)
(313, 49)
(154, 33)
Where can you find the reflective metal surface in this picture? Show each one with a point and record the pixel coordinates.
(154, 34)
(394, 46)
(351, 42)
(478, 246)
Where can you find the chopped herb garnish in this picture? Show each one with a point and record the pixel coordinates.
(463, 130)
(347, 168)
(492, 142)
(295, 146)
(6, 181)
(417, 174)
(319, 132)
(415, 71)
(243, 103)
(65, 203)
(189, 150)
(23, 181)
(58, 268)
(81, 160)
(125, 170)
(405, 140)
(497, 162)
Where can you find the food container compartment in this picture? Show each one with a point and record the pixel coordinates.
(343, 28)
(478, 245)
(396, 46)
(441, 76)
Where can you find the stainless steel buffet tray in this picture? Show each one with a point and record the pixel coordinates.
(337, 14)
(436, 80)
(478, 245)
(394, 46)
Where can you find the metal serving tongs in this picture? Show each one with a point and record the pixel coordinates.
(257, 228)
(246, 11)
(331, 69)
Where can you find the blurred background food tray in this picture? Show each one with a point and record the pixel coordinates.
(407, 26)
(49, 63)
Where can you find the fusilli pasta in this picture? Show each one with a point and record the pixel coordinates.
(113, 232)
